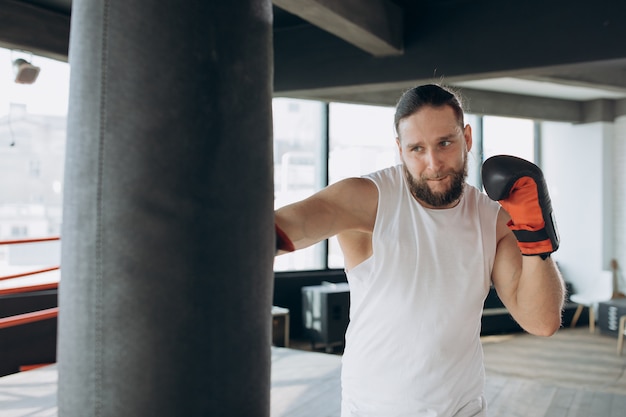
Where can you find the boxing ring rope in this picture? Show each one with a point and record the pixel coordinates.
(26, 318)
(25, 274)
(29, 288)
(31, 240)
(35, 316)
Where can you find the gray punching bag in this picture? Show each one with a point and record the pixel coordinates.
(167, 242)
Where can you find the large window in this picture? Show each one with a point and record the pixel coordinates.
(475, 160)
(299, 167)
(362, 140)
(317, 144)
(508, 136)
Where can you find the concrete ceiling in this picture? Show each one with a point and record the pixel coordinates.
(557, 60)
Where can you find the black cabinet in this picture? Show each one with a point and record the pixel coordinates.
(325, 313)
(609, 313)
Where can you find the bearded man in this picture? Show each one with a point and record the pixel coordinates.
(421, 249)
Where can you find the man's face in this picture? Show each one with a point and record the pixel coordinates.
(433, 149)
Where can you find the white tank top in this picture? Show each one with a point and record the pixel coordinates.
(413, 343)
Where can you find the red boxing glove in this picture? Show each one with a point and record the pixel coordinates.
(521, 189)
(282, 241)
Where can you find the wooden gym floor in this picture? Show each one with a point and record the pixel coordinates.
(571, 374)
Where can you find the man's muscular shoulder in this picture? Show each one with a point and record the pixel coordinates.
(358, 201)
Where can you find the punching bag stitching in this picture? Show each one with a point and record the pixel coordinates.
(98, 304)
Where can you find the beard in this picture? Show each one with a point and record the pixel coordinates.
(421, 190)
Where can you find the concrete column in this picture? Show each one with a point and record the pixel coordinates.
(167, 242)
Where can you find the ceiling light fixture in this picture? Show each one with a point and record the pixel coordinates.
(25, 72)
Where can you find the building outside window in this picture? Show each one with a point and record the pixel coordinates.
(33, 120)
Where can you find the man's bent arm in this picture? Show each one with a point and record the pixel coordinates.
(530, 287)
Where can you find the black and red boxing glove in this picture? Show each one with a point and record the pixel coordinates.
(519, 186)
(282, 240)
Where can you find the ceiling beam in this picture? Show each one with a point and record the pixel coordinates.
(475, 40)
(475, 102)
(516, 105)
(620, 108)
(374, 26)
(34, 29)
(611, 81)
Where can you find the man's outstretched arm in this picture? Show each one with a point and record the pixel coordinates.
(349, 204)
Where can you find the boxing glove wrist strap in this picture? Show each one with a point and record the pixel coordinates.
(531, 236)
(526, 236)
